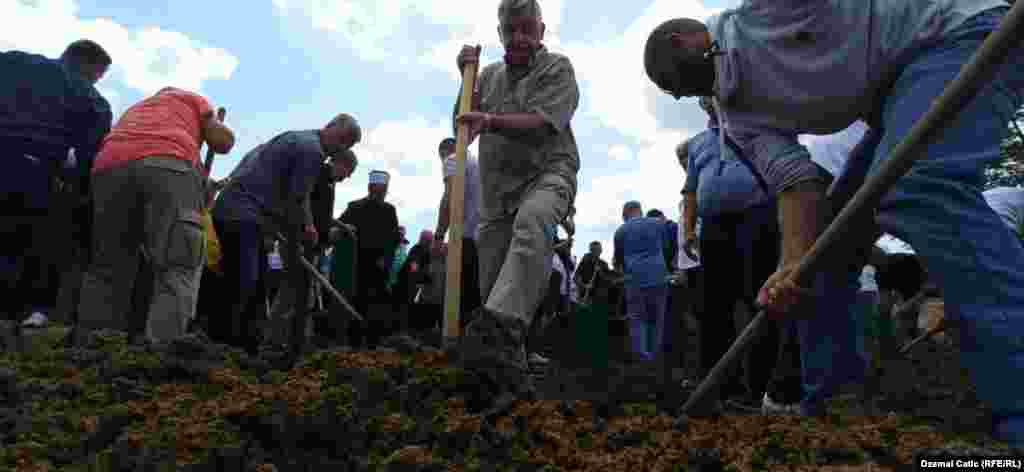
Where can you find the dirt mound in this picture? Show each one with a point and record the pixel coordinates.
(192, 405)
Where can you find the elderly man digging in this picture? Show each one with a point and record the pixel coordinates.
(528, 166)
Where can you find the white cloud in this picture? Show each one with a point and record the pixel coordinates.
(616, 95)
(144, 59)
(408, 151)
(620, 152)
(378, 30)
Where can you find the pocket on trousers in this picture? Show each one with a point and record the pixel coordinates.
(186, 241)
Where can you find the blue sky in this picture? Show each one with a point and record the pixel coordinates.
(280, 65)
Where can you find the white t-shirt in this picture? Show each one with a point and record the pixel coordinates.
(471, 207)
(1008, 202)
(683, 262)
(833, 150)
(274, 260)
(867, 279)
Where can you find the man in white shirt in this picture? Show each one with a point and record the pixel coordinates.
(1008, 202)
(470, 297)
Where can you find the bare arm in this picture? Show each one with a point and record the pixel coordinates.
(690, 215)
(802, 215)
(444, 211)
(219, 137)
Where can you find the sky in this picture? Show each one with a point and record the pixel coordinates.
(283, 65)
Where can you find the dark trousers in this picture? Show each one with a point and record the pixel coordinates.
(27, 190)
(470, 296)
(748, 244)
(244, 261)
(371, 291)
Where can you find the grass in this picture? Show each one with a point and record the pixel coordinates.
(190, 419)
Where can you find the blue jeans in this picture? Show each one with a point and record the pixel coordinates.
(645, 310)
(938, 208)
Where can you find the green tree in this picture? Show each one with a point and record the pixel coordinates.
(1009, 171)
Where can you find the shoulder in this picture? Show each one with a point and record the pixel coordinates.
(558, 65)
(357, 204)
(492, 70)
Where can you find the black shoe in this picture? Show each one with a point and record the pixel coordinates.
(492, 346)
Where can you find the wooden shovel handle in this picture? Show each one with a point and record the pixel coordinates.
(453, 283)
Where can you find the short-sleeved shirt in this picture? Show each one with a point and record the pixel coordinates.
(640, 246)
(722, 185)
(792, 67)
(1008, 202)
(271, 177)
(867, 279)
(683, 262)
(832, 151)
(168, 124)
(471, 207)
(512, 163)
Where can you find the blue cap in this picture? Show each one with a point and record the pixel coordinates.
(632, 205)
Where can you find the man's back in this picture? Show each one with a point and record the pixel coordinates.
(642, 243)
(258, 184)
(723, 184)
(44, 105)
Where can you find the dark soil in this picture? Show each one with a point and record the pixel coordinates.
(193, 405)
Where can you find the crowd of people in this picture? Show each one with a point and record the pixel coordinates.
(140, 207)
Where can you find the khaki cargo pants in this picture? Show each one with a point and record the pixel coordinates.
(515, 250)
(146, 216)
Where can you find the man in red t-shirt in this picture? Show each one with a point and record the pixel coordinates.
(148, 192)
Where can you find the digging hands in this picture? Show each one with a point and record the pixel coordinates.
(780, 293)
(476, 121)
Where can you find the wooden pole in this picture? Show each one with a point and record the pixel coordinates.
(326, 284)
(456, 202)
(208, 163)
(958, 94)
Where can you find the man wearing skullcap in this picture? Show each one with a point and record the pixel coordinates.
(268, 191)
(376, 224)
(528, 165)
(776, 72)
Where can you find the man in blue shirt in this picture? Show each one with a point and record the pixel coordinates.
(777, 72)
(48, 107)
(739, 250)
(640, 254)
(270, 188)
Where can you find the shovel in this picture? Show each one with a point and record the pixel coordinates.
(957, 95)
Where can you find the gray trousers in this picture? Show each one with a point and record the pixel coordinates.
(515, 250)
(147, 214)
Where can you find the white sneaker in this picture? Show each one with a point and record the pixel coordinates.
(37, 320)
(770, 407)
(536, 358)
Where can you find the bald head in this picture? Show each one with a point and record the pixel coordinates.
(674, 58)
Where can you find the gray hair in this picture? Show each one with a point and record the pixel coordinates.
(346, 121)
(512, 8)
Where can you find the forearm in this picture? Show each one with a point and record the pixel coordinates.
(443, 216)
(690, 213)
(802, 213)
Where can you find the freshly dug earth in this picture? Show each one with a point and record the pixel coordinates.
(193, 405)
